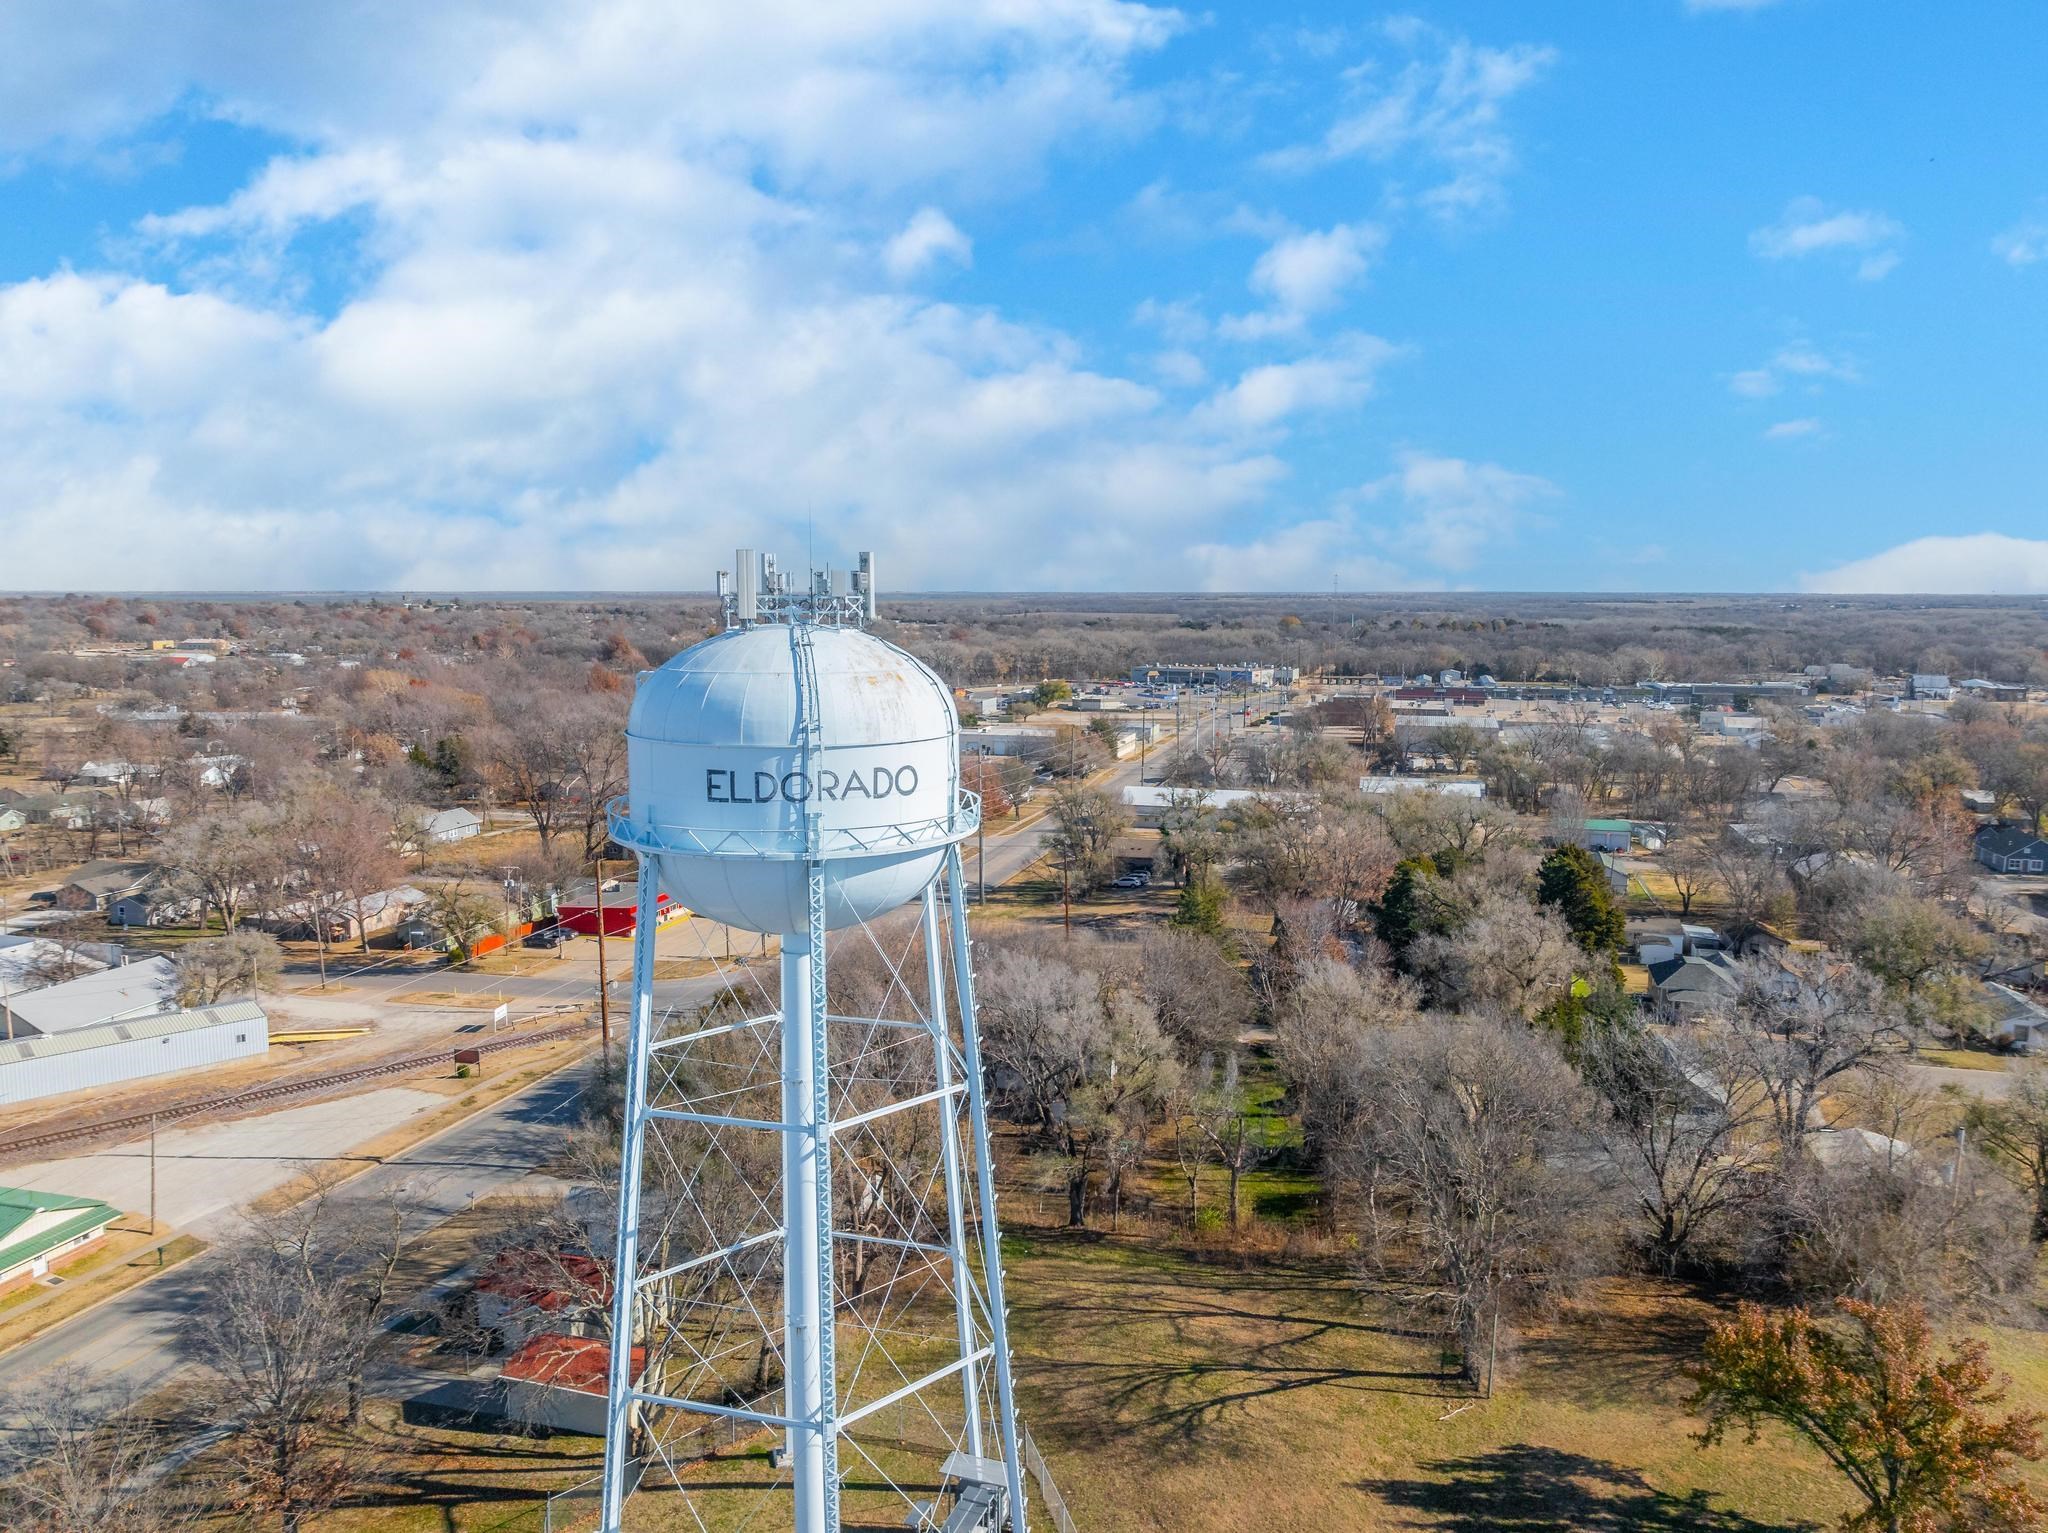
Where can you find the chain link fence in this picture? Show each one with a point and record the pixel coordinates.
(576, 1509)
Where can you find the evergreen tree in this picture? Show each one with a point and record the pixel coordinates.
(1572, 879)
(1201, 906)
(1408, 908)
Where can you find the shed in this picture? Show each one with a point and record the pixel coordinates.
(557, 1383)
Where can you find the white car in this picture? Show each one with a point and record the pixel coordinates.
(1132, 881)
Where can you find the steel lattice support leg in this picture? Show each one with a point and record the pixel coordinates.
(956, 1210)
(985, 1183)
(810, 1320)
(619, 1413)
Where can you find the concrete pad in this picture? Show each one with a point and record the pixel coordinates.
(208, 1169)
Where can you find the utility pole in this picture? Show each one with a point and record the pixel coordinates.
(152, 1178)
(981, 838)
(604, 1000)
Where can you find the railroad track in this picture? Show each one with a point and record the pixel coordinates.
(282, 1090)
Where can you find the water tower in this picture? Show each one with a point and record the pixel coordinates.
(806, 1204)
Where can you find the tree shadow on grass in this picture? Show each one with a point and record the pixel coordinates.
(1520, 1488)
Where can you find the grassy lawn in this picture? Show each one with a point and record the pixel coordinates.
(1172, 1392)
(1962, 1059)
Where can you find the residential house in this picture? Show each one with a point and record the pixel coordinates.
(446, 825)
(150, 905)
(38, 1230)
(1693, 984)
(98, 884)
(11, 818)
(1934, 687)
(30, 963)
(2012, 849)
(2013, 1021)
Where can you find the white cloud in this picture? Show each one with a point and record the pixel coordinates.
(2024, 244)
(1264, 396)
(1456, 511)
(1308, 272)
(1799, 362)
(1979, 563)
(1445, 108)
(585, 311)
(1306, 556)
(1303, 274)
(1809, 227)
(1792, 430)
(929, 236)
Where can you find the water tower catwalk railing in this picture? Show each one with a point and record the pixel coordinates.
(853, 1274)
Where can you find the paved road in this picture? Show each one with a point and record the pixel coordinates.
(134, 1338)
(1010, 853)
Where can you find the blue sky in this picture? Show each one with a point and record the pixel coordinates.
(1622, 294)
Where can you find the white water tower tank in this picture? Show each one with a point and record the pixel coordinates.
(719, 791)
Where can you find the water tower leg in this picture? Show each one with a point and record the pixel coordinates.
(620, 1414)
(956, 1209)
(806, 1267)
(985, 1183)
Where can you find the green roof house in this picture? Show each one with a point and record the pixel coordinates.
(40, 1229)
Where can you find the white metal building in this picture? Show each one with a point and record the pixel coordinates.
(124, 1051)
(111, 995)
(1450, 787)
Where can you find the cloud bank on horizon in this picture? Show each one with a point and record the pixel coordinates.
(1068, 294)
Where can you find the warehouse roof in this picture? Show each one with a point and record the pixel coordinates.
(159, 1025)
(132, 990)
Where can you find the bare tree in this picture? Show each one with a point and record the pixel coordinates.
(1324, 1025)
(1679, 1134)
(1509, 955)
(1471, 1130)
(83, 1457)
(301, 1300)
(1196, 988)
(236, 965)
(1799, 1029)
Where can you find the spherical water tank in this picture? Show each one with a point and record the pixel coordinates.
(720, 791)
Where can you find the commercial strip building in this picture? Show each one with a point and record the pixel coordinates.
(109, 1052)
(1207, 674)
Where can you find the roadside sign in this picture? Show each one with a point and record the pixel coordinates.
(501, 1013)
(469, 1056)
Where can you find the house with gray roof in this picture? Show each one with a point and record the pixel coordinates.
(2012, 849)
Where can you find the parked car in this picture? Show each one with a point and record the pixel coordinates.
(1132, 881)
(548, 936)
